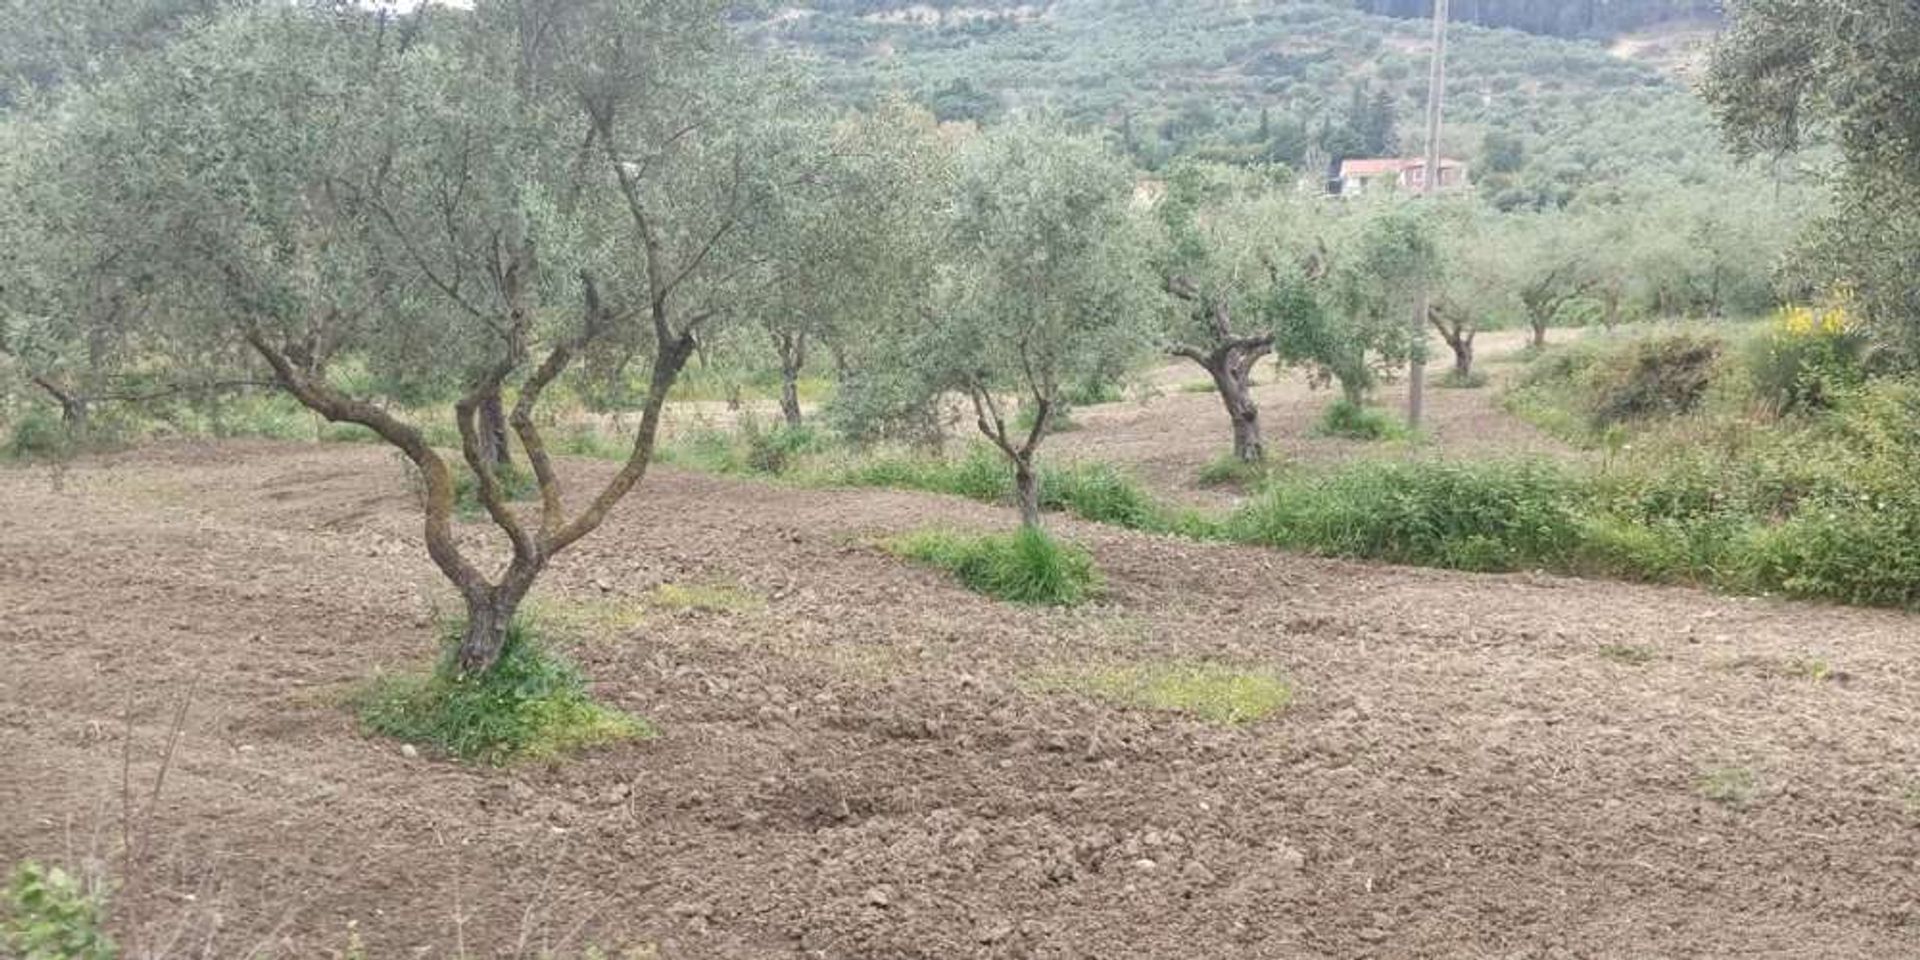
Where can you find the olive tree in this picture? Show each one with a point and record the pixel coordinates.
(1043, 286)
(1475, 290)
(1552, 268)
(856, 249)
(1350, 326)
(473, 196)
(1229, 242)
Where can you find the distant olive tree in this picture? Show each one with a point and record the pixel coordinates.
(1476, 258)
(857, 248)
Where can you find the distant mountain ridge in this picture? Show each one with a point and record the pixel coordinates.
(1570, 19)
(1574, 19)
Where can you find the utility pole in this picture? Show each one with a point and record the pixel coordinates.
(1430, 186)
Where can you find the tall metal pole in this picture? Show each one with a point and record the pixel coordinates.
(1430, 185)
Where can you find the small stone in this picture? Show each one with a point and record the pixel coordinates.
(409, 751)
(878, 897)
(1289, 858)
(1145, 864)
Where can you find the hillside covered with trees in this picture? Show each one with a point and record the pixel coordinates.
(1294, 82)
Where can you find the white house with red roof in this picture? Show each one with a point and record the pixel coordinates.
(1360, 176)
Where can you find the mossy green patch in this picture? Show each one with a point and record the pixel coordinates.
(1215, 692)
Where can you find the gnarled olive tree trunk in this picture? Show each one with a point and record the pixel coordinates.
(75, 408)
(1229, 360)
(1231, 368)
(1457, 329)
(491, 604)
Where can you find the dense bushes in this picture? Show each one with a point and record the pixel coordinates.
(1808, 360)
(1501, 516)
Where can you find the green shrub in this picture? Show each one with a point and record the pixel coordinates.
(1094, 392)
(531, 704)
(1027, 567)
(1656, 376)
(39, 434)
(707, 449)
(1806, 372)
(274, 415)
(52, 915)
(1862, 555)
(1807, 359)
(1492, 516)
(1345, 418)
(982, 474)
(1061, 422)
(774, 451)
(588, 440)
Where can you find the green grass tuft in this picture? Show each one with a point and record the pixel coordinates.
(704, 598)
(1213, 692)
(1629, 654)
(1026, 567)
(532, 704)
(1346, 419)
(1732, 786)
(1227, 470)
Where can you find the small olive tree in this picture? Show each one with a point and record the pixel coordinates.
(1350, 326)
(1551, 268)
(1043, 285)
(1475, 260)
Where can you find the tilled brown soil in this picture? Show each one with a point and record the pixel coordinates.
(856, 765)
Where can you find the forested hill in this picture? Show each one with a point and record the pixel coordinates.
(1561, 18)
(1289, 81)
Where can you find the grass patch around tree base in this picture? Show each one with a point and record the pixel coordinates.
(1227, 470)
(1354, 422)
(1214, 692)
(1027, 567)
(533, 704)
